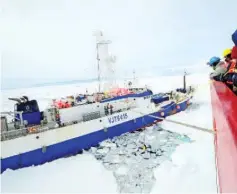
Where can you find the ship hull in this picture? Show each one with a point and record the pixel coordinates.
(47, 146)
(224, 108)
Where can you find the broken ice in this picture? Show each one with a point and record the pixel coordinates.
(133, 156)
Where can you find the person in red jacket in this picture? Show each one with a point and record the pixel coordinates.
(230, 56)
(234, 52)
(231, 75)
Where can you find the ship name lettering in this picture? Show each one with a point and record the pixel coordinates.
(118, 118)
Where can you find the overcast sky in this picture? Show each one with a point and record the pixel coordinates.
(53, 38)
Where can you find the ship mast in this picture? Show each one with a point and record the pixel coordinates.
(184, 80)
(134, 78)
(104, 60)
(98, 67)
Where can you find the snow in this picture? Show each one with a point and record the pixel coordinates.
(77, 174)
(190, 169)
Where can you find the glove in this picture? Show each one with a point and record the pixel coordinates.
(219, 77)
(234, 79)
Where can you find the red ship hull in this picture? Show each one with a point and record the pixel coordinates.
(224, 108)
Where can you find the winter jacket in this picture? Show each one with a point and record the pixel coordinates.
(231, 78)
(234, 52)
(220, 70)
(234, 37)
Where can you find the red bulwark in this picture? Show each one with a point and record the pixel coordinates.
(224, 108)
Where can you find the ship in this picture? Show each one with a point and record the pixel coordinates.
(224, 108)
(69, 125)
(224, 111)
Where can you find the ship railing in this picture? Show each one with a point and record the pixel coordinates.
(13, 115)
(12, 134)
(15, 133)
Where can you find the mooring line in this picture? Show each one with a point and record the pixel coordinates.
(180, 123)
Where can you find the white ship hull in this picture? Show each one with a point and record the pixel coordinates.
(52, 144)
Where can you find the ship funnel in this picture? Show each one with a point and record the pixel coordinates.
(26, 98)
(15, 99)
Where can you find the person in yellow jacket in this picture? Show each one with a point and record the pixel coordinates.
(230, 77)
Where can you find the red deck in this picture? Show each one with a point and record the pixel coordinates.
(224, 108)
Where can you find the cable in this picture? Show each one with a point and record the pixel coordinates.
(181, 123)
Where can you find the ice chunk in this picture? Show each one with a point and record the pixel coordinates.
(122, 170)
(111, 167)
(146, 155)
(93, 150)
(132, 146)
(113, 159)
(103, 151)
(107, 143)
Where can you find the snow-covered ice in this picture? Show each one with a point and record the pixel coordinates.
(76, 174)
(190, 167)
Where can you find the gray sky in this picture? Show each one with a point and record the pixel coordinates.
(53, 38)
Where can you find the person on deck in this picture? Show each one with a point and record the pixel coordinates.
(234, 53)
(230, 76)
(219, 67)
(106, 108)
(227, 55)
(111, 109)
(234, 37)
(67, 105)
(226, 71)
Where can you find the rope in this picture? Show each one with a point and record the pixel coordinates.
(181, 123)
